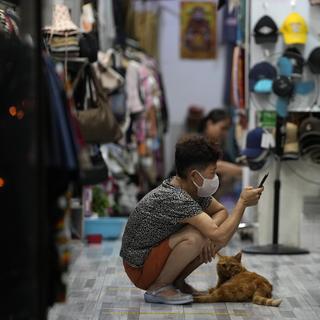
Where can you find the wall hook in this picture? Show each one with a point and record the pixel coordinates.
(265, 5)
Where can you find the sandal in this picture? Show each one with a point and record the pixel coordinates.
(179, 298)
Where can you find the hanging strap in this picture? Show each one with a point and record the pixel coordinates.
(89, 80)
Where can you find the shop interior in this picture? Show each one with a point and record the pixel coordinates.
(95, 95)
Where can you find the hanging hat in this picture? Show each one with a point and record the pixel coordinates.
(309, 145)
(314, 60)
(258, 140)
(291, 146)
(61, 19)
(315, 156)
(294, 29)
(258, 163)
(262, 71)
(296, 59)
(266, 31)
(309, 127)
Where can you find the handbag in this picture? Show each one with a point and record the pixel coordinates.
(89, 46)
(97, 123)
(94, 170)
(110, 78)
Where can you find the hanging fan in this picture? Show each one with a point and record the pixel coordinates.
(287, 92)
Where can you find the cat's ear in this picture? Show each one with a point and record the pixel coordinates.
(238, 256)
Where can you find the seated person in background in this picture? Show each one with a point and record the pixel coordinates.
(215, 126)
(179, 225)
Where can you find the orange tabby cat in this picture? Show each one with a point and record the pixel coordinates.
(237, 284)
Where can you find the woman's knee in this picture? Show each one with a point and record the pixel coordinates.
(189, 235)
(195, 238)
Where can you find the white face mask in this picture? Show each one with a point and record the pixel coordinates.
(209, 186)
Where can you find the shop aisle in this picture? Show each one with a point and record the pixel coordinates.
(99, 289)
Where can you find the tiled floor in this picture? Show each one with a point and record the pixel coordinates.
(100, 290)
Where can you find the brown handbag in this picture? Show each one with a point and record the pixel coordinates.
(97, 123)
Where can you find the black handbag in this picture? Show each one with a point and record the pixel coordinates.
(89, 46)
(96, 172)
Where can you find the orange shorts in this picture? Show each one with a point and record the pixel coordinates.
(144, 276)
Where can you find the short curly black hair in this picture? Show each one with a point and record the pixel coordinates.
(195, 151)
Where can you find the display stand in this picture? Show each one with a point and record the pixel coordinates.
(275, 247)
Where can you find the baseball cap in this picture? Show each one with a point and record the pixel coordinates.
(314, 60)
(291, 145)
(309, 145)
(253, 147)
(265, 30)
(309, 127)
(259, 163)
(261, 71)
(294, 29)
(315, 156)
(297, 60)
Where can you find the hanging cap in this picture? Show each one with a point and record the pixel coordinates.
(266, 31)
(254, 147)
(296, 59)
(310, 127)
(261, 71)
(294, 29)
(314, 60)
(291, 145)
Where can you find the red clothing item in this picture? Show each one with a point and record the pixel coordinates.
(144, 276)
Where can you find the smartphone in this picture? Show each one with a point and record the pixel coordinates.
(263, 180)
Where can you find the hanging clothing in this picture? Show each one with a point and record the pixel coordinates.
(119, 20)
(106, 24)
(134, 102)
(146, 26)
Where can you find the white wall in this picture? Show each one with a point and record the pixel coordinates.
(187, 82)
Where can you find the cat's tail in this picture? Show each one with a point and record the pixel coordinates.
(266, 301)
(203, 299)
(212, 297)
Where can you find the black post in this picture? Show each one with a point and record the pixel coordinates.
(276, 205)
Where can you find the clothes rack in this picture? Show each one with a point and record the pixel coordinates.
(7, 4)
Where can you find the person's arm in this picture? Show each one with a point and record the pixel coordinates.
(217, 212)
(229, 168)
(220, 235)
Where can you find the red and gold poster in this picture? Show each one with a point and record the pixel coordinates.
(198, 30)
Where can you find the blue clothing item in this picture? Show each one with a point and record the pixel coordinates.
(230, 22)
(61, 122)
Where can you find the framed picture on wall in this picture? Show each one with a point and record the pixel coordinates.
(198, 30)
